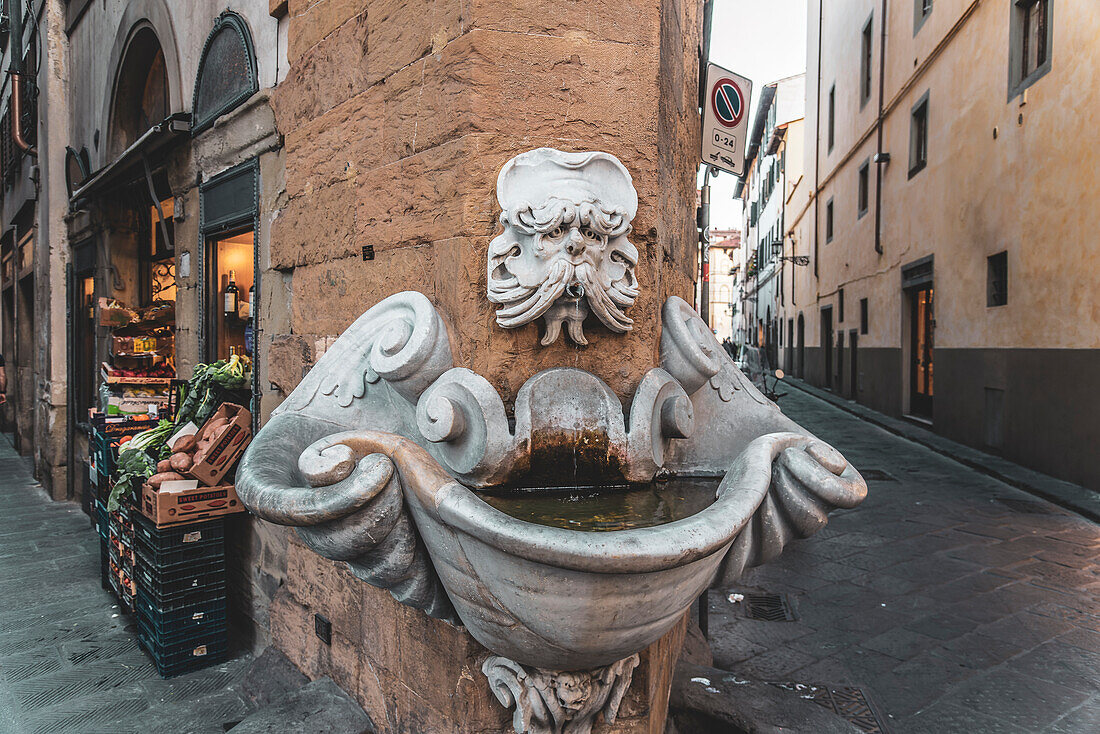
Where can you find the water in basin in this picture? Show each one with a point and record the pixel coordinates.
(606, 507)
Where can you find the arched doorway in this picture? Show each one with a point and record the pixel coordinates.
(141, 95)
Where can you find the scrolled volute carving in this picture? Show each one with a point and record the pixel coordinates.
(808, 479)
(402, 339)
(687, 347)
(463, 416)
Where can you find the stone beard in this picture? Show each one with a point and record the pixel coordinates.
(569, 255)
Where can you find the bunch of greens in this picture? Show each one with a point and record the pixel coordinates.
(198, 397)
(137, 461)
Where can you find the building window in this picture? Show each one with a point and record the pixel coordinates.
(1030, 34)
(829, 221)
(865, 62)
(832, 117)
(996, 290)
(864, 187)
(227, 71)
(921, 10)
(863, 316)
(840, 306)
(918, 136)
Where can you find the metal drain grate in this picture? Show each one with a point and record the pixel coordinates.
(1028, 507)
(851, 704)
(877, 475)
(769, 607)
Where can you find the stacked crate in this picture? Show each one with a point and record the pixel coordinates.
(181, 593)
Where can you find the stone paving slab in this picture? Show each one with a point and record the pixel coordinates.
(69, 661)
(955, 610)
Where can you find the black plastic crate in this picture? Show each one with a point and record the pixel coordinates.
(172, 618)
(168, 637)
(183, 657)
(205, 581)
(166, 577)
(177, 537)
(191, 553)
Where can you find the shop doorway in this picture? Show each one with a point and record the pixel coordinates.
(922, 327)
(801, 347)
(838, 378)
(853, 364)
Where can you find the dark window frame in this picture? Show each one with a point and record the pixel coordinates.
(839, 306)
(918, 136)
(830, 220)
(921, 10)
(227, 21)
(864, 316)
(1019, 77)
(831, 127)
(863, 189)
(996, 280)
(866, 58)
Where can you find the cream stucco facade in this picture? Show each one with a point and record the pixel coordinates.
(978, 264)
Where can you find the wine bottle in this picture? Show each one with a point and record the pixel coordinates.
(231, 294)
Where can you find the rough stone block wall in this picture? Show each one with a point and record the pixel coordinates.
(397, 117)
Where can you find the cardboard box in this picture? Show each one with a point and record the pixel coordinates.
(186, 501)
(228, 444)
(114, 317)
(122, 346)
(117, 405)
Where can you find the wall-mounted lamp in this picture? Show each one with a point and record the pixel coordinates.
(882, 158)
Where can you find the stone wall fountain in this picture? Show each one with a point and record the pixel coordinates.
(566, 533)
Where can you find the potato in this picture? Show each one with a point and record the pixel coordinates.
(179, 461)
(158, 479)
(185, 444)
(212, 428)
(164, 465)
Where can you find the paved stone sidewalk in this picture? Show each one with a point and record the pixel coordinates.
(954, 610)
(69, 662)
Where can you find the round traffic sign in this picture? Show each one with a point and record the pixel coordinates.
(727, 102)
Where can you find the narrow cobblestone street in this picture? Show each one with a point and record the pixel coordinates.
(956, 602)
(69, 661)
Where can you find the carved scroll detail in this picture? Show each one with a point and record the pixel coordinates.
(401, 339)
(809, 479)
(548, 702)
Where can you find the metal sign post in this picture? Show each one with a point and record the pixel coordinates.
(725, 120)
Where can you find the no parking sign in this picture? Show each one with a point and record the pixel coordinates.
(725, 119)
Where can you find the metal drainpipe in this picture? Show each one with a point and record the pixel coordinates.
(15, 68)
(704, 247)
(878, 124)
(817, 132)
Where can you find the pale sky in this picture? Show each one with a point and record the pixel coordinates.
(764, 40)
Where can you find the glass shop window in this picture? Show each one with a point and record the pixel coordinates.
(231, 295)
(160, 261)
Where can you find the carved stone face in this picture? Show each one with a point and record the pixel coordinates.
(564, 251)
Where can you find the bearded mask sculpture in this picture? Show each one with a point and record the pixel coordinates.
(564, 251)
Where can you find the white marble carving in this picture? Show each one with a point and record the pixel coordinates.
(564, 250)
(376, 456)
(548, 702)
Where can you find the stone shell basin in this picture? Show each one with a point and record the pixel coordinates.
(563, 599)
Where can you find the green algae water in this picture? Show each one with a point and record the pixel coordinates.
(606, 508)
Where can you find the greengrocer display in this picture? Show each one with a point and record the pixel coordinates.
(164, 486)
(137, 378)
